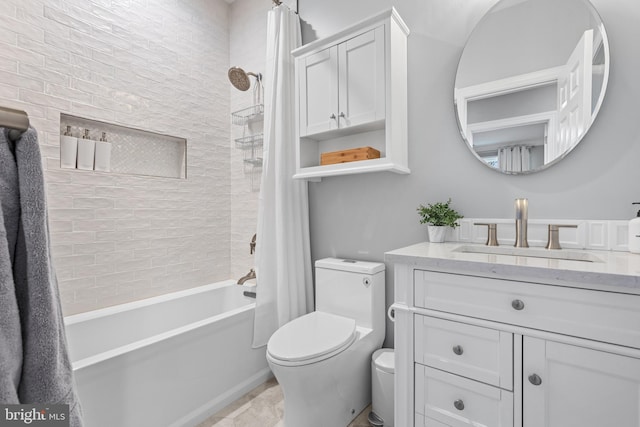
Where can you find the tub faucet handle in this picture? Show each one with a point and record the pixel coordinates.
(252, 245)
(492, 233)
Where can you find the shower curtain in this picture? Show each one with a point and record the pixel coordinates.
(283, 256)
(514, 158)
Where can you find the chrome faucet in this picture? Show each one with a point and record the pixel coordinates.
(250, 275)
(522, 215)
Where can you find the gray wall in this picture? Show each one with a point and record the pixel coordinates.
(363, 216)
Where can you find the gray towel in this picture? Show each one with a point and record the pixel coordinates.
(34, 362)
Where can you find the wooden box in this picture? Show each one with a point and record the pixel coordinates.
(352, 155)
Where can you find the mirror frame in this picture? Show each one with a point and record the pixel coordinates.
(596, 109)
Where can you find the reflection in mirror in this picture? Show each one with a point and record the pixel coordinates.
(530, 82)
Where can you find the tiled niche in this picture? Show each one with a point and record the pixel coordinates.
(132, 151)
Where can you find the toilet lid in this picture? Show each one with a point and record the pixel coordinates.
(310, 336)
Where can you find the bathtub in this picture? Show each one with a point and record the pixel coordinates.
(171, 360)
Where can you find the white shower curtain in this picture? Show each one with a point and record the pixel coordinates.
(514, 158)
(283, 257)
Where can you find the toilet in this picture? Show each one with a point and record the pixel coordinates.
(322, 359)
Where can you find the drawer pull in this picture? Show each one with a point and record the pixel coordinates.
(458, 350)
(517, 304)
(459, 404)
(535, 379)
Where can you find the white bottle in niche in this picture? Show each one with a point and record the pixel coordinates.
(86, 152)
(634, 233)
(103, 154)
(68, 150)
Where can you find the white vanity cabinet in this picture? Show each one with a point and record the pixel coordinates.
(573, 386)
(351, 92)
(483, 343)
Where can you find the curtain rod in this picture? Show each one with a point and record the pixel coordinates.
(16, 120)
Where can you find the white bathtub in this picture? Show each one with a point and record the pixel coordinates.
(171, 360)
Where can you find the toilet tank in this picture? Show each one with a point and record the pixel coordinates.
(353, 289)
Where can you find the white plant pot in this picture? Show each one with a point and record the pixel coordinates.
(437, 233)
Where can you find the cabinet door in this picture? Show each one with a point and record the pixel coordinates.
(318, 85)
(578, 387)
(362, 77)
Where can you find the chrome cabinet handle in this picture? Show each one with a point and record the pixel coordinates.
(458, 350)
(517, 304)
(535, 379)
(459, 404)
(332, 116)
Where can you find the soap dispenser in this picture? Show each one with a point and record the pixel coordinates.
(68, 150)
(86, 151)
(634, 233)
(103, 154)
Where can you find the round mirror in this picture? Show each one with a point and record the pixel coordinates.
(530, 82)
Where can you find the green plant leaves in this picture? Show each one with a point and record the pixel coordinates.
(440, 214)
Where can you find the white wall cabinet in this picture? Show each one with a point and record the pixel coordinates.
(343, 86)
(494, 351)
(351, 92)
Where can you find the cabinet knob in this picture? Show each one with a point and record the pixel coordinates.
(517, 304)
(535, 379)
(459, 404)
(341, 115)
(332, 116)
(458, 350)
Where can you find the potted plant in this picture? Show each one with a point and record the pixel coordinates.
(438, 216)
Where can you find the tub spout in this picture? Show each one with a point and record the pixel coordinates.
(250, 275)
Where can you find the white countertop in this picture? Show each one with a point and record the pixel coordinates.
(613, 271)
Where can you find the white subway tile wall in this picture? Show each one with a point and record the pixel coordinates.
(157, 65)
(248, 33)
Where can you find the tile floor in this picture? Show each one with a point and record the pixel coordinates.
(262, 407)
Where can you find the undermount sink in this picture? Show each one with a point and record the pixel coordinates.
(562, 254)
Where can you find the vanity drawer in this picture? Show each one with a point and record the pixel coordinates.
(481, 354)
(455, 401)
(603, 316)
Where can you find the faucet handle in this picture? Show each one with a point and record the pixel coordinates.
(554, 235)
(492, 233)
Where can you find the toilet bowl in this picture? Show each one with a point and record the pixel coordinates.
(322, 359)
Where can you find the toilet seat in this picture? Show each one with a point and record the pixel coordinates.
(311, 338)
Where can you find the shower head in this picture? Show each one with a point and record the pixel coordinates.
(240, 78)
